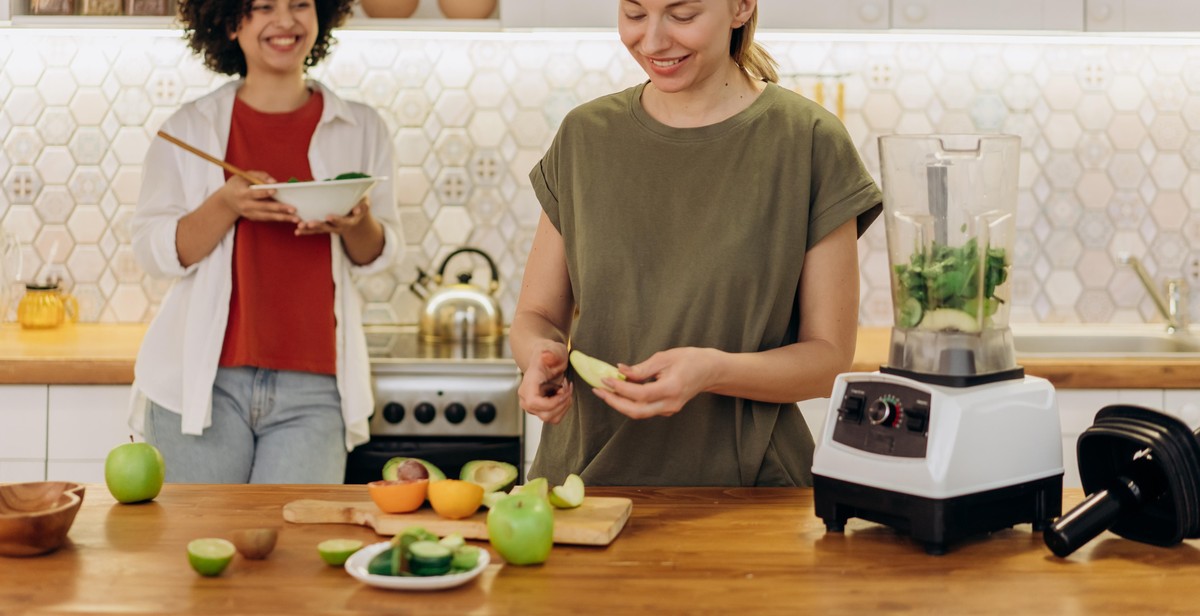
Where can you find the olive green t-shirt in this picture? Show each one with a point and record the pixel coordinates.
(692, 237)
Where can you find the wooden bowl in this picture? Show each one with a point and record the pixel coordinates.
(35, 516)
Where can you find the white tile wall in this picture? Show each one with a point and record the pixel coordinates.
(1111, 138)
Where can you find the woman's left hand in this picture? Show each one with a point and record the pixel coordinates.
(336, 224)
(662, 384)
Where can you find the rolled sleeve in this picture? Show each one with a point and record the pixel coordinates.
(161, 203)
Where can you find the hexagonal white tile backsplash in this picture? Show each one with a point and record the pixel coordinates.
(1111, 139)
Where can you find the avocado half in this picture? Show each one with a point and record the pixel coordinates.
(391, 467)
(492, 475)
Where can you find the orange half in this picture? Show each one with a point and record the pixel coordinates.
(455, 499)
(398, 496)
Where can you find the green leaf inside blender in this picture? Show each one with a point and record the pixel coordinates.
(947, 278)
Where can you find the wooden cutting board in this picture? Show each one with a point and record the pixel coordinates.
(596, 522)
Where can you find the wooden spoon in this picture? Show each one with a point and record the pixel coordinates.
(212, 159)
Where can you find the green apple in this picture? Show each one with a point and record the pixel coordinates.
(539, 487)
(594, 370)
(134, 472)
(570, 494)
(521, 529)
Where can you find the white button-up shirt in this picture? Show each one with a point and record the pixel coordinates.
(177, 363)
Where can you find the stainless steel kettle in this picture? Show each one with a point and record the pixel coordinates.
(460, 311)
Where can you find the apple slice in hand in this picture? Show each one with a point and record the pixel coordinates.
(594, 370)
(570, 494)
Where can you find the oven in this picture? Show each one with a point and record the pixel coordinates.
(447, 403)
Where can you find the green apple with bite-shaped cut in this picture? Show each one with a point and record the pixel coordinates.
(134, 472)
(521, 528)
(570, 494)
(593, 370)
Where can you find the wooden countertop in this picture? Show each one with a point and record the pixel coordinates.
(104, 354)
(684, 551)
(81, 354)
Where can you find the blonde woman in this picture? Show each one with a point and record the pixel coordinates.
(698, 230)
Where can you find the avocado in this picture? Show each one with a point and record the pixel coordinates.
(490, 474)
(390, 470)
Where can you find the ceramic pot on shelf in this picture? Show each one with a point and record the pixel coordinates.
(467, 9)
(390, 9)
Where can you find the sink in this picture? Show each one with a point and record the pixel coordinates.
(1103, 341)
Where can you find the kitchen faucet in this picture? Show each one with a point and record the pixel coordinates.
(1174, 307)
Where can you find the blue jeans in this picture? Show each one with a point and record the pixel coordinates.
(268, 426)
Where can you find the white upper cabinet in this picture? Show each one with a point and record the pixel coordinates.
(1143, 16)
(558, 14)
(988, 14)
(823, 14)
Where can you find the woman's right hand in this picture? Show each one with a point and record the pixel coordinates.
(260, 205)
(545, 390)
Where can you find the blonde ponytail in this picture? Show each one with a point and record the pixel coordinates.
(750, 55)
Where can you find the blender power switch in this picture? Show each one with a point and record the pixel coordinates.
(916, 422)
(852, 407)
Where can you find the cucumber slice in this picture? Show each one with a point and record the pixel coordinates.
(382, 563)
(429, 558)
(909, 314)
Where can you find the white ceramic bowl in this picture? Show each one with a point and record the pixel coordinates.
(320, 198)
(356, 566)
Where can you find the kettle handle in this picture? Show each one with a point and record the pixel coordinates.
(495, 273)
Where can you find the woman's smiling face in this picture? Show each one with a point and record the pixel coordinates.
(679, 43)
(277, 35)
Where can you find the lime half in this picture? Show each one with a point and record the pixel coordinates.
(337, 551)
(209, 556)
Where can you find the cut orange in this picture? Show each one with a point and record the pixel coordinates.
(398, 496)
(454, 498)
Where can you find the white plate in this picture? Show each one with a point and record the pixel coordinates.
(357, 567)
(320, 198)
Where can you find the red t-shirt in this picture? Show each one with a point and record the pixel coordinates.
(281, 311)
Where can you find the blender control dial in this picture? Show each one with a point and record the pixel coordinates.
(885, 411)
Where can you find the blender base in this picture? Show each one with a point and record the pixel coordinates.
(933, 522)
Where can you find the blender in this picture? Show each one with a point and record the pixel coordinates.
(950, 439)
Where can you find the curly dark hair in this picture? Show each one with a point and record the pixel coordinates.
(207, 25)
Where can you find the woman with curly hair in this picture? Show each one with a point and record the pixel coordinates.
(255, 368)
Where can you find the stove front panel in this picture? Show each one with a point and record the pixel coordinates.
(454, 400)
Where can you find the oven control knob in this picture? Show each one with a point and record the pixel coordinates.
(485, 413)
(455, 413)
(393, 412)
(424, 412)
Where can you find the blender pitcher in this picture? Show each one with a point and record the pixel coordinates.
(949, 210)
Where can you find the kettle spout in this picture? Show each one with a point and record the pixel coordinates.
(420, 287)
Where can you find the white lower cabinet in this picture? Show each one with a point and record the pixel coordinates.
(533, 436)
(22, 433)
(814, 412)
(85, 423)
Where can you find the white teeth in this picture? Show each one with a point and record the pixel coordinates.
(666, 63)
(278, 40)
